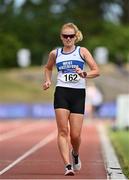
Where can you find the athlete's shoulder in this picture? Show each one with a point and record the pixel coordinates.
(84, 49)
(84, 52)
(52, 54)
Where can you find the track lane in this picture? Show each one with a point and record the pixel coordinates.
(46, 163)
(13, 148)
(25, 127)
(33, 149)
(6, 125)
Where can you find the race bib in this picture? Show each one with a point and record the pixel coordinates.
(69, 77)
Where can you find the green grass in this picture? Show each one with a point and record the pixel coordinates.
(120, 141)
(23, 85)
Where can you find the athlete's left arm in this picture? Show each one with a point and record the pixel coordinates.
(94, 69)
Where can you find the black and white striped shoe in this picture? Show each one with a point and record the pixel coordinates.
(69, 170)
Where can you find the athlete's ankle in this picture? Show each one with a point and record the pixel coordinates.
(75, 153)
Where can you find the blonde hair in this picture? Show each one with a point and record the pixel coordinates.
(78, 33)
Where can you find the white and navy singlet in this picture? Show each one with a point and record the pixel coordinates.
(70, 88)
(66, 64)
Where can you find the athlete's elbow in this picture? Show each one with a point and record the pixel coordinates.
(98, 73)
(46, 67)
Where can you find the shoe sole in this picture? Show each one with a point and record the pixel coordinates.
(71, 173)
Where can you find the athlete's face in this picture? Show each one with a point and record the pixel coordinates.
(68, 37)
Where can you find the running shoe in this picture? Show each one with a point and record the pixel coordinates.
(69, 170)
(76, 162)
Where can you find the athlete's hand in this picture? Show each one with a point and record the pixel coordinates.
(81, 73)
(46, 85)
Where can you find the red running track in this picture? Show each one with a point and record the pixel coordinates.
(28, 150)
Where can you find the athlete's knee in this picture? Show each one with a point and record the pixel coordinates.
(75, 137)
(63, 132)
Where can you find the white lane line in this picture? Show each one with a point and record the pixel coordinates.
(37, 146)
(19, 131)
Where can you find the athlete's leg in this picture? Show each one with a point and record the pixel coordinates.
(76, 121)
(62, 116)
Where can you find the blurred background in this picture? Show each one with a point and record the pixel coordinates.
(29, 29)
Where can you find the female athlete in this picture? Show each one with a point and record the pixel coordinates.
(69, 96)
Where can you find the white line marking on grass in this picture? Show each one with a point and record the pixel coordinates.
(36, 147)
(112, 165)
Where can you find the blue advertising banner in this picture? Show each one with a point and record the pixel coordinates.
(107, 110)
(26, 111)
(44, 110)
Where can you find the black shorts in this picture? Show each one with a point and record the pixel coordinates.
(70, 98)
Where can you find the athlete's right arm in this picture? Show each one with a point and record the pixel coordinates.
(48, 69)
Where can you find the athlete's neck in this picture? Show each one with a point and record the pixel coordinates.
(67, 49)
